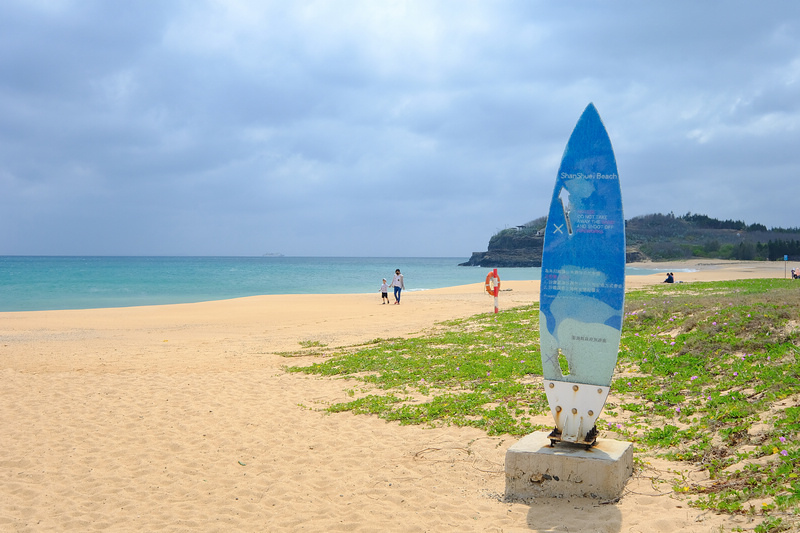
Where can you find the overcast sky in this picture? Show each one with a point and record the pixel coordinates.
(379, 128)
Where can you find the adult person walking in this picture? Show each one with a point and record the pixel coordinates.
(397, 283)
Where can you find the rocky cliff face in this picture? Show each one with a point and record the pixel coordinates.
(514, 248)
(530, 257)
(504, 258)
(507, 249)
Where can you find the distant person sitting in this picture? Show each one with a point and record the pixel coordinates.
(670, 278)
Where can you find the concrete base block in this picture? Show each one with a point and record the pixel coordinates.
(534, 469)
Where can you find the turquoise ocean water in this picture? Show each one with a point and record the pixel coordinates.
(50, 283)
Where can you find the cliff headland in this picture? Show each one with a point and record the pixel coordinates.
(655, 237)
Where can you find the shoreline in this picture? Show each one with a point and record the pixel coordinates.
(688, 270)
(275, 323)
(181, 417)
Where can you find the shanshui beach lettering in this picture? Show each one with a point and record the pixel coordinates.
(589, 176)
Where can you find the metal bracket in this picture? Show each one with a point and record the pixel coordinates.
(575, 408)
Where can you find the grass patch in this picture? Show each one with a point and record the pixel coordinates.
(708, 374)
(716, 383)
(483, 372)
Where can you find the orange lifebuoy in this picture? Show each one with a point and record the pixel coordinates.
(491, 286)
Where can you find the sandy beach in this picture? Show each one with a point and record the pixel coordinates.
(181, 418)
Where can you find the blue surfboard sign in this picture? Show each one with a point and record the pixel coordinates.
(583, 281)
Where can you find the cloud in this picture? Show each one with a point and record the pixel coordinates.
(391, 128)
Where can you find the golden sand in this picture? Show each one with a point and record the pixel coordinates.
(180, 418)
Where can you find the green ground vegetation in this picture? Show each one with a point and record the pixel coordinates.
(708, 376)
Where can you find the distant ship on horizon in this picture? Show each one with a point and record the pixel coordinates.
(273, 254)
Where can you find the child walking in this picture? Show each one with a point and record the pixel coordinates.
(384, 292)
